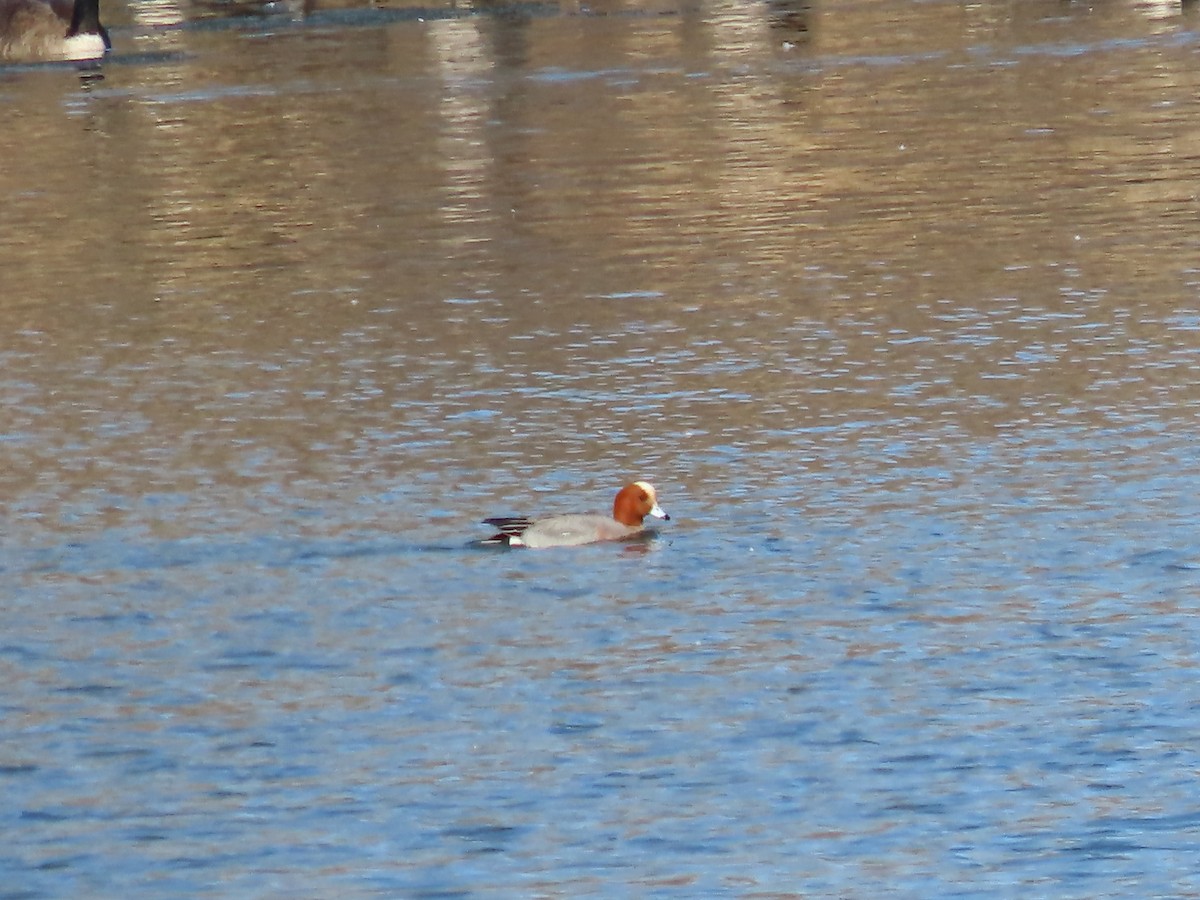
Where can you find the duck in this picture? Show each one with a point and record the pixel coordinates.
(39, 30)
(633, 503)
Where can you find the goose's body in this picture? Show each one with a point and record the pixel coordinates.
(33, 30)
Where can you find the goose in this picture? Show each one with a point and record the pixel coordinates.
(51, 29)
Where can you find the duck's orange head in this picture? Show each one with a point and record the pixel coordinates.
(636, 501)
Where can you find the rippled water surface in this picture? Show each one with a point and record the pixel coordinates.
(897, 303)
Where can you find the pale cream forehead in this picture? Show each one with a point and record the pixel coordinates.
(649, 489)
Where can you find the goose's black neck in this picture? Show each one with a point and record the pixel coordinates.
(85, 19)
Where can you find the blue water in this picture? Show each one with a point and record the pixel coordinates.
(967, 692)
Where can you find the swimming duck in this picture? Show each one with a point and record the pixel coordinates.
(634, 502)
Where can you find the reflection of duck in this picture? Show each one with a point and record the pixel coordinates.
(51, 29)
(634, 502)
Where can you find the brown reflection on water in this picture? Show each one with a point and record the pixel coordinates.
(617, 240)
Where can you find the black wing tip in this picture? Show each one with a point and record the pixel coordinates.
(509, 524)
(509, 527)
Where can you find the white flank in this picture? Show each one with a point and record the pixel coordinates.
(83, 46)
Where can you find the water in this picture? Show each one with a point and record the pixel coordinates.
(897, 303)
